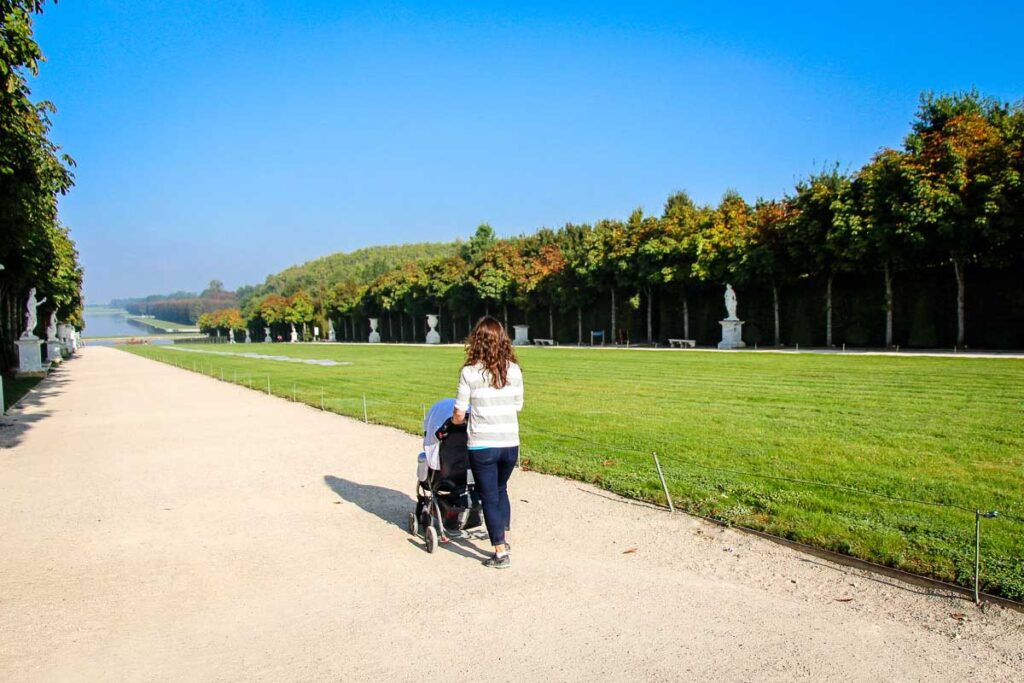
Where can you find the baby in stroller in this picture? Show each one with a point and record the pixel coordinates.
(446, 503)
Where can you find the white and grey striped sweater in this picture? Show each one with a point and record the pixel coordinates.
(493, 419)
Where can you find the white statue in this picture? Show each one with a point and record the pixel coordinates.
(316, 332)
(231, 336)
(51, 327)
(31, 319)
(331, 336)
(730, 303)
(294, 334)
(432, 336)
(374, 334)
(266, 335)
(248, 336)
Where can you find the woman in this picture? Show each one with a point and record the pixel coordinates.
(492, 383)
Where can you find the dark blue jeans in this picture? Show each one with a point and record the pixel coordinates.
(491, 469)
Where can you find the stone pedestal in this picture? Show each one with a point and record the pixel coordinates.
(53, 348)
(432, 336)
(29, 359)
(522, 337)
(732, 334)
(374, 334)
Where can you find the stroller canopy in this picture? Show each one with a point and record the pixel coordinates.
(438, 413)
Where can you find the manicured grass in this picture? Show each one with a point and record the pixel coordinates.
(15, 388)
(733, 431)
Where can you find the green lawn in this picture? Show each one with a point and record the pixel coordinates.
(938, 430)
(15, 388)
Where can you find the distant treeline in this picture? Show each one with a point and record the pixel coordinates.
(879, 257)
(181, 307)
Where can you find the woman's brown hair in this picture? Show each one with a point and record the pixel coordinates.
(489, 345)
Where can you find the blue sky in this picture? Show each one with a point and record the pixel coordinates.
(231, 139)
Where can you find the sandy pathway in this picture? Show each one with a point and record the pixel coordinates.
(160, 525)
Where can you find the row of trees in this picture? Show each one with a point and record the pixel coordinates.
(181, 307)
(36, 250)
(951, 197)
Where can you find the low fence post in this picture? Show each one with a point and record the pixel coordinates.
(268, 385)
(321, 398)
(664, 486)
(366, 417)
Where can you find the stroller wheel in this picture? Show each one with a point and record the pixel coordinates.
(431, 535)
(414, 524)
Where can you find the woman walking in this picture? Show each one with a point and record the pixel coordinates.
(492, 383)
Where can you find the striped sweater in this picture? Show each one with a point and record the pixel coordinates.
(493, 419)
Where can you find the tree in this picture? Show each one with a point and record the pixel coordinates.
(497, 274)
(544, 265)
(886, 207)
(444, 278)
(965, 175)
(681, 223)
(607, 260)
(766, 256)
(36, 250)
(574, 283)
(821, 240)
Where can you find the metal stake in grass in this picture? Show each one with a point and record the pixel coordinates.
(366, 418)
(664, 486)
(321, 398)
(978, 514)
(268, 385)
(293, 391)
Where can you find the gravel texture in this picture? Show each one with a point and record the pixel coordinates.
(161, 525)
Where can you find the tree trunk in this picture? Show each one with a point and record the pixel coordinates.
(775, 306)
(455, 334)
(469, 323)
(579, 326)
(551, 321)
(888, 306)
(614, 340)
(686, 317)
(401, 328)
(391, 329)
(961, 304)
(506, 318)
(650, 327)
(828, 311)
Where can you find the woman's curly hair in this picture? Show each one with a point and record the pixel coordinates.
(489, 346)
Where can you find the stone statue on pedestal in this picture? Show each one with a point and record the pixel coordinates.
(331, 335)
(374, 334)
(294, 335)
(732, 327)
(248, 336)
(31, 315)
(730, 303)
(51, 326)
(266, 335)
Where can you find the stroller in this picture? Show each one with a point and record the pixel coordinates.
(446, 502)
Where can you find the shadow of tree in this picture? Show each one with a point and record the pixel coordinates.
(19, 418)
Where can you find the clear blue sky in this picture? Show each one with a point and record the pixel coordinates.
(230, 139)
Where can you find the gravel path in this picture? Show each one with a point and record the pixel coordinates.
(160, 525)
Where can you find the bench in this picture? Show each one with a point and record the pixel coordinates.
(596, 334)
(682, 343)
(544, 342)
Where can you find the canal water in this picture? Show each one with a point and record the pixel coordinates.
(112, 324)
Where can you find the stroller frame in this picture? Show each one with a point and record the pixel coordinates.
(454, 461)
